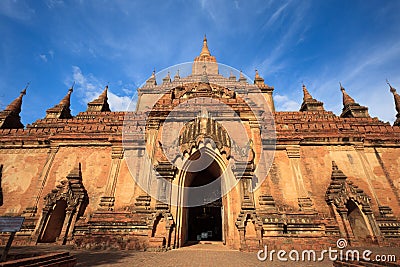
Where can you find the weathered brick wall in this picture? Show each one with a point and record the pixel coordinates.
(95, 162)
(22, 168)
(126, 189)
(377, 174)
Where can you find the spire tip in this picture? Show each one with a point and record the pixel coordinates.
(72, 87)
(23, 92)
(392, 89)
(341, 87)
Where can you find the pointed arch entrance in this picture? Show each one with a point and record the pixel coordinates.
(204, 222)
(64, 205)
(202, 209)
(356, 220)
(55, 222)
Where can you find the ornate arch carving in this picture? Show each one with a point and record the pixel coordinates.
(204, 129)
(244, 222)
(72, 191)
(153, 224)
(340, 191)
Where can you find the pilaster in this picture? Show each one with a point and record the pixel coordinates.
(107, 201)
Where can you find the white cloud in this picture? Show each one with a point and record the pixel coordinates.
(43, 57)
(295, 32)
(19, 10)
(275, 16)
(54, 3)
(283, 103)
(119, 103)
(90, 87)
(47, 56)
(128, 91)
(51, 53)
(208, 6)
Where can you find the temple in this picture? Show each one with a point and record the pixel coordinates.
(73, 176)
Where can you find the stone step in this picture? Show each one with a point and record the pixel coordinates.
(63, 259)
(206, 245)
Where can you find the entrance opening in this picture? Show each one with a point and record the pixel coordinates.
(357, 221)
(204, 222)
(55, 223)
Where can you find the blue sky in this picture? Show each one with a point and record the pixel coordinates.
(53, 43)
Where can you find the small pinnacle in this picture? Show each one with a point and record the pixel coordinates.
(347, 100)
(306, 94)
(392, 89)
(334, 166)
(177, 74)
(241, 75)
(23, 92)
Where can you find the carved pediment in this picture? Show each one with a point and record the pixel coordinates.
(204, 129)
(340, 190)
(196, 89)
(70, 189)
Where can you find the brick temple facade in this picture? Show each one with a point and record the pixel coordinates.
(332, 176)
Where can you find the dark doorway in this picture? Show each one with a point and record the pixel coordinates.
(55, 223)
(204, 222)
(357, 221)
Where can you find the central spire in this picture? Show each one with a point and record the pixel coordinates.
(205, 58)
(204, 50)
